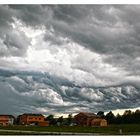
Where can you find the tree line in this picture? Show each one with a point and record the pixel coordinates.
(127, 117)
(60, 121)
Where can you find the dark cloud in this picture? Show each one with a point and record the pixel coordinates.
(92, 26)
(36, 92)
(101, 69)
(69, 14)
(6, 16)
(12, 41)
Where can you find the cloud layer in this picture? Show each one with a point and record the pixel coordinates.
(69, 57)
(36, 92)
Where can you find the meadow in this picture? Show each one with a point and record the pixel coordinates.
(127, 129)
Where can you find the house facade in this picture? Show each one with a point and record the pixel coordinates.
(32, 119)
(89, 119)
(6, 120)
(99, 122)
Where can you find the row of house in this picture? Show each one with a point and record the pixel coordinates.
(24, 119)
(81, 119)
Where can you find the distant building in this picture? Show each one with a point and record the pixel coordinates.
(32, 119)
(99, 122)
(89, 119)
(6, 120)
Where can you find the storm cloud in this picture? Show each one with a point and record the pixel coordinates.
(36, 92)
(67, 58)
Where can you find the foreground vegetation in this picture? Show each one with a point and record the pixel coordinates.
(127, 129)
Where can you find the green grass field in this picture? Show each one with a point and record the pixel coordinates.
(127, 129)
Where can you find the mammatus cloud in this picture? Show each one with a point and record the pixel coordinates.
(69, 57)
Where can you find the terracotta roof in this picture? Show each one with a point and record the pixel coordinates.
(5, 115)
(87, 114)
(31, 114)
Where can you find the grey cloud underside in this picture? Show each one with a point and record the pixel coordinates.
(33, 91)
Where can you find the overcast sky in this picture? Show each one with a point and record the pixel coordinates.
(69, 58)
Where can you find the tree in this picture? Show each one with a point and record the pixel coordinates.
(60, 120)
(137, 111)
(127, 116)
(110, 117)
(69, 119)
(101, 114)
(51, 119)
(118, 119)
(137, 116)
(127, 112)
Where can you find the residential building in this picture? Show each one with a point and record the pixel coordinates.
(32, 119)
(87, 119)
(6, 120)
(99, 122)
